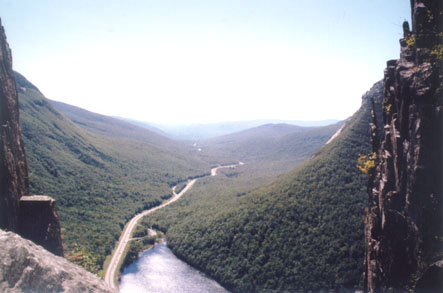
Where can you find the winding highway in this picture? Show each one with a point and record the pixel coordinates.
(124, 237)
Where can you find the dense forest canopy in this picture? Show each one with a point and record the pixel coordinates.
(302, 232)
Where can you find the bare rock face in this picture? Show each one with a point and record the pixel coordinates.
(404, 223)
(39, 222)
(31, 216)
(27, 267)
(13, 168)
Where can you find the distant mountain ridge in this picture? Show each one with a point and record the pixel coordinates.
(144, 125)
(268, 130)
(269, 143)
(198, 132)
(110, 126)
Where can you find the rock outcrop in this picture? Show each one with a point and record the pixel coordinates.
(30, 216)
(27, 267)
(404, 224)
(13, 168)
(39, 222)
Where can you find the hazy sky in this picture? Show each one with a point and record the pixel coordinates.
(186, 61)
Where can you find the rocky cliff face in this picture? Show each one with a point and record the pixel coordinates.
(404, 224)
(31, 216)
(13, 169)
(39, 222)
(27, 267)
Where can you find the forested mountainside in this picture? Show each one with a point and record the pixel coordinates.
(114, 127)
(100, 176)
(276, 143)
(302, 232)
(265, 152)
(199, 132)
(254, 171)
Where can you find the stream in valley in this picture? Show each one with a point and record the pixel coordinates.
(159, 270)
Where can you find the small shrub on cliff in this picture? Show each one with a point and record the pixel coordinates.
(410, 41)
(437, 52)
(366, 163)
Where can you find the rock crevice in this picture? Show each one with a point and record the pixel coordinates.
(404, 232)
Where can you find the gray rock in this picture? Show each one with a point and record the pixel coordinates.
(38, 222)
(27, 267)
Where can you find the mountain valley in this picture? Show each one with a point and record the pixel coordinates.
(304, 227)
(103, 170)
(100, 170)
(252, 206)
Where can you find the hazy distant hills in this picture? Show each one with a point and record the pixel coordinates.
(269, 142)
(100, 170)
(144, 125)
(303, 232)
(197, 132)
(266, 130)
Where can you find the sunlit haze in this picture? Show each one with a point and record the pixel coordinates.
(205, 61)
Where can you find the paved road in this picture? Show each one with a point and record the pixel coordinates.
(124, 238)
(214, 170)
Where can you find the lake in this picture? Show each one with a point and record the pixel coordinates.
(159, 270)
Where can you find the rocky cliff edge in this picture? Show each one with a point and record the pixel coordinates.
(404, 224)
(27, 267)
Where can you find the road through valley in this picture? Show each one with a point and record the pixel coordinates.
(110, 275)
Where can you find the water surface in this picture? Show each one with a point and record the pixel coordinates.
(159, 270)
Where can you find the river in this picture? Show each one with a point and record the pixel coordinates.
(159, 270)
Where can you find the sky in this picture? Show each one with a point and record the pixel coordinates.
(204, 61)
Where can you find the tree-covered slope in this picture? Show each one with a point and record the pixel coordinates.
(302, 232)
(99, 175)
(113, 127)
(199, 132)
(266, 152)
(276, 143)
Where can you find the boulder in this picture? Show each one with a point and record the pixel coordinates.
(27, 267)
